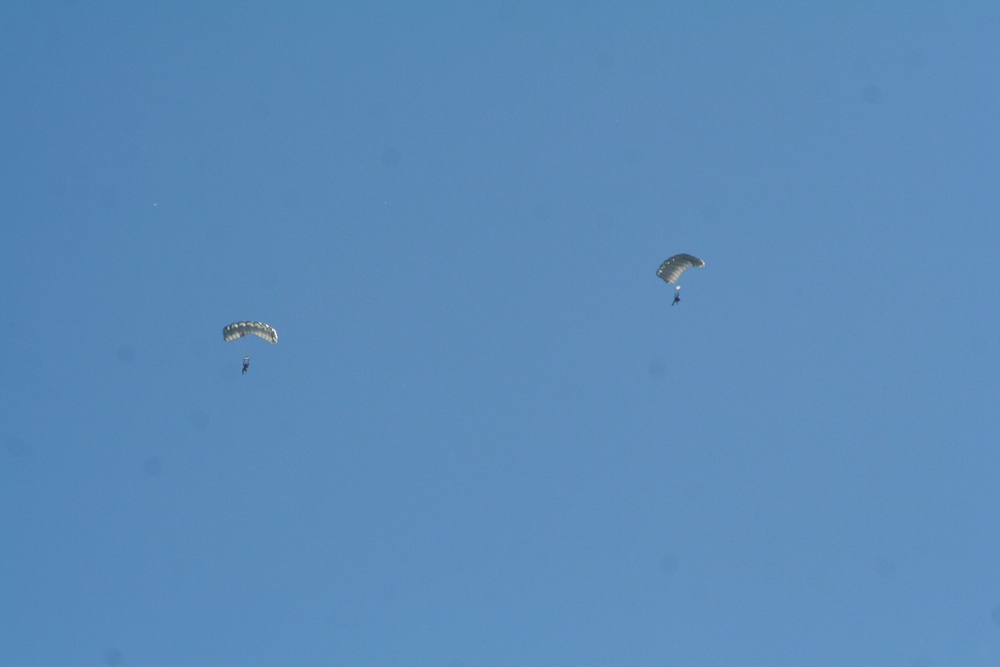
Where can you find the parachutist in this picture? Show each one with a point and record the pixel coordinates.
(672, 269)
(240, 329)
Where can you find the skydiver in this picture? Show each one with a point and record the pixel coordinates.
(677, 297)
(246, 364)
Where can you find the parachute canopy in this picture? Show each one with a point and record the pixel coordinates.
(672, 269)
(240, 329)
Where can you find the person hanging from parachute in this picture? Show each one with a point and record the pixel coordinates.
(240, 329)
(670, 271)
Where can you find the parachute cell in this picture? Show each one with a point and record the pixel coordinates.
(240, 329)
(672, 269)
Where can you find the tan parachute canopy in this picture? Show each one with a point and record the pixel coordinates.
(672, 269)
(240, 329)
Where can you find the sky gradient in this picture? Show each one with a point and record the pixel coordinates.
(484, 436)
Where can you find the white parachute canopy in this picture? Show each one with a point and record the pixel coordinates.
(241, 329)
(672, 269)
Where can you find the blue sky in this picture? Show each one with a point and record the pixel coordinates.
(484, 437)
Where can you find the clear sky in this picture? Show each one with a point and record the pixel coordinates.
(484, 437)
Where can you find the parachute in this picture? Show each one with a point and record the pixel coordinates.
(672, 269)
(240, 329)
